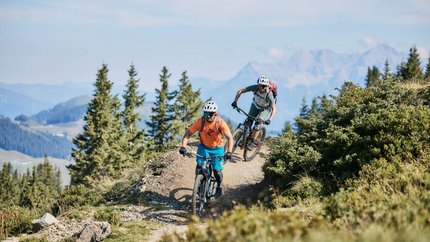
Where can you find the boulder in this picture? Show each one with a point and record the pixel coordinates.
(46, 220)
(94, 231)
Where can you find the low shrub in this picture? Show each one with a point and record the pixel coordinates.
(75, 196)
(250, 225)
(108, 214)
(16, 220)
(386, 194)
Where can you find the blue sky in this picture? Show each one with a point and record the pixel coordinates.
(53, 41)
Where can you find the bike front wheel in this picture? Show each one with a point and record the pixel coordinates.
(249, 155)
(237, 139)
(197, 202)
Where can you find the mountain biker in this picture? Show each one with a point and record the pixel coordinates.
(263, 106)
(211, 128)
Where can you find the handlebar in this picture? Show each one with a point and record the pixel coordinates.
(192, 153)
(239, 110)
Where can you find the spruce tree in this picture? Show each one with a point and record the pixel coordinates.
(387, 72)
(413, 66)
(160, 119)
(135, 137)
(303, 116)
(187, 105)
(373, 76)
(401, 72)
(9, 186)
(427, 73)
(98, 149)
(41, 187)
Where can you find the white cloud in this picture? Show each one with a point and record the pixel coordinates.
(369, 41)
(275, 52)
(424, 53)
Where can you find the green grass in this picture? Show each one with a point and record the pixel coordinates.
(131, 231)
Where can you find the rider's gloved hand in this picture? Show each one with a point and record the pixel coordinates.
(267, 122)
(182, 151)
(227, 156)
(234, 104)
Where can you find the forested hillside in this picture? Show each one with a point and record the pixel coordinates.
(69, 111)
(36, 144)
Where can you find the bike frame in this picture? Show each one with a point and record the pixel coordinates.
(207, 189)
(246, 128)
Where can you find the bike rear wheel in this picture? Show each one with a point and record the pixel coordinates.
(249, 155)
(197, 202)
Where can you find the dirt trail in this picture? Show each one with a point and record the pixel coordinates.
(171, 184)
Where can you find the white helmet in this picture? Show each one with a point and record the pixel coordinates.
(263, 80)
(210, 106)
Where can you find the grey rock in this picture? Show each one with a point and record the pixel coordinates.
(94, 231)
(46, 220)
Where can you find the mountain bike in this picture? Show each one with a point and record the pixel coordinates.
(205, 183)
(242, 137)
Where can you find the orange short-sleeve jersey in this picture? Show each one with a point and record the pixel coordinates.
(210, 135)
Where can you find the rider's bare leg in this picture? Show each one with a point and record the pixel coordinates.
(256, 129)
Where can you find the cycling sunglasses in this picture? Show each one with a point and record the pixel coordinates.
(209, 114)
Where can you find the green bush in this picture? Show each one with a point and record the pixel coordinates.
(75, 196)
(108, 214)
(16, 220)
(358, 126)
(288, 158)
(391, 195)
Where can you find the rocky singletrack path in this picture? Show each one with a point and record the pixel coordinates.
(170, 187)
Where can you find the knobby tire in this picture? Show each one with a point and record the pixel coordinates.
(249, 155)
(197, 202)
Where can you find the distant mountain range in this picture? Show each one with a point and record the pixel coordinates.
(14, 103)
(305, 74)
(69, 111)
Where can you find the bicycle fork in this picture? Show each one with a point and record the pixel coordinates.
(209, 188)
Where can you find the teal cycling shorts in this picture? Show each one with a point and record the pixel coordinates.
(262, 114)
(205, 151)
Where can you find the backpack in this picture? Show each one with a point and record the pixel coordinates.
(273, 88)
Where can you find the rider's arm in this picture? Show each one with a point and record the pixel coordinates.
(273, 111)
(229, 137)
(186, 138)
(242, 90)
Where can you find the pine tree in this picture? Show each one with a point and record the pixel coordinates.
(401, 71)
(98, 149)
(373, 76)
(427, 74)
(9, 186)
(49, 175)
(135, 138)
(303, 116)
(160, 120)
(186, 107)
(313, 112)
(41, 188)
(413, 66)
(387, 72)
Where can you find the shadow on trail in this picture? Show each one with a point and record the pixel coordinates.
(247, 195)
(166, 209)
